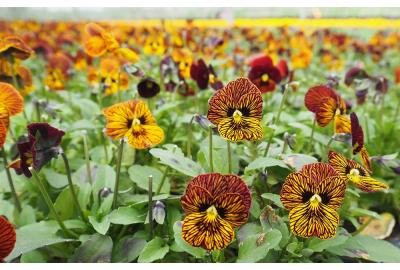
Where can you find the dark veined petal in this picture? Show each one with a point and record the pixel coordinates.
(342, 124)
(357, 134)
(7, 238)
(296, 185)
(232, 209)
(318, 171)
(145, 137)
(252, 104)
(201, 231)
(4, 123)
(369, 184)
(248, 128)
(339, 163)
(332, 190)
(326, 111)
(196, 199)
(219, 106)
(316, 95)
(365, 158)
(307, 220)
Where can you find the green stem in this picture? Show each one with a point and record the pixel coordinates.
(166, 171)
(10, 181)
(284, 147)
(325, 158)
(396, 114)
(228, 146)
(210, 134)
(104, 142)
(310, 146)
(285, 91)
(119, 161)
(37, 107)
(71, 187)
(150, 205)
(87, 160)
(50, 205)
(189, 140)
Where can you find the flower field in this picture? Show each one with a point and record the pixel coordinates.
(254, 140)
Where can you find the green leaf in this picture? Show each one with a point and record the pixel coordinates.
(183, 245)
(88, 108)
(34, 236)
(269, 221)
(177, 162)
(56, 180)
(276, 199)
(127, 215)
(140, 175)
(64, 204)
(368, 248)
(359, 212)
(27, 216)
(154, 250)
(101, 225)
(95, 250)
(265, 162)
(319, 245)
(256, 247)
(35, 256)
(128, 249)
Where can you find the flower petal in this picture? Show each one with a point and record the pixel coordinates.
(248, 128)
(3, 130)
(147, 136)
(196, 199)
(342, 124)
(307, 220)
(7, 238)
(369, 184)
(295, 186)
(233, 208)
(10, 99)
(332, 189)
(317, 95)
(212, 234)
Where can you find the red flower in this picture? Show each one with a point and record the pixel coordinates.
(397, 75)
(357, 141)
(7, 238)
(200, 73)
(283, 68)
(263, 74)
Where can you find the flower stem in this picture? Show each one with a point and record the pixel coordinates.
(395, 116)
(104, 142)
(119, 161)
(210, 134)
(312, 136)
(150, 205)
(325, 158)
(37, 107)
(228, 146)
(71, 187)
(50, 205)
(10, 181)
(189, 140)
(166, 171)
(87, 160)
(276, 123)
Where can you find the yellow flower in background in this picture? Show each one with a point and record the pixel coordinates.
(154, 45)
(98, 41)
(302, 59)
(184, 59)
(133, 120)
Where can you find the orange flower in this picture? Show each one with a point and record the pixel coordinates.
(328, 106)
(8, 238)
(11, 103)
(98, 41)
(134, 121)
(15, 47)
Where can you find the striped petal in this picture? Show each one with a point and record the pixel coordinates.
(307, 220)
(232, 209)
(7, 238)
(248, 128)
(211, 234)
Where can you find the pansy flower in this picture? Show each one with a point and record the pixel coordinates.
(313, 196)
(154, 45)
(355, 73)
(13, 47)
(183, 59)
(236, 110)
(264, 74)
(148, 88)
(11, 103)
(328, 106)
(357, 141)
(38, 148)
(98, 41)
(214, 205)
(134, 121)
(58, 71)
(200, 73)
(397, 75)
(8, 238)
(349, 170)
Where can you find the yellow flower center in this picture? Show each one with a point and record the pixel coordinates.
(338, 112)
(211, 78)
(315, 200)
(265, 78)
(212, 212)
(237, 115)
(135, 122)
(354, 175)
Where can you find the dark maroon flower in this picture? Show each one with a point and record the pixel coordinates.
(263, 74)
(215, 83)
(355, 73)
(36, 150)
(148, 88)
(382, 84)
(199, 72)
(283, 68)
(361, 96)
